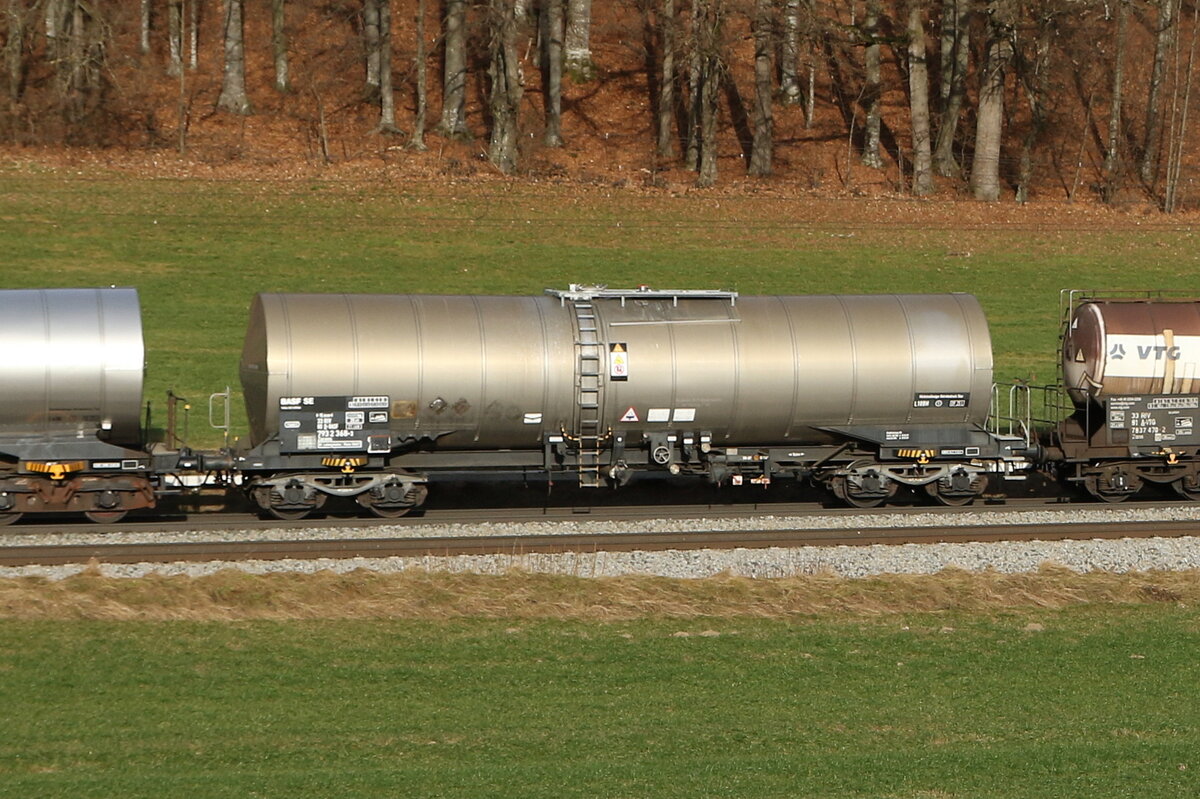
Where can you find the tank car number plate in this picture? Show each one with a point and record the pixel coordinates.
(334, 424)
(945, 399)
(1156, 418)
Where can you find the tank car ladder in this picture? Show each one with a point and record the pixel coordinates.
(588, 386)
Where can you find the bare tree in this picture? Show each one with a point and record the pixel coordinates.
(985, 170)
(144, 28)
(666, 82)
(174, 37)
(760, 150)
(15, 48)
(279, 46)
(387, 97)
(918, 93)
(707, 26)
(233, 78)
(194, 33)
(578, 40)
(1179, 118)
(505, 95)
(1034, 75)
(417, 140)
(955, 52)
(789, 53)
(1112, 153)
(1164, 36)
(454, 77)
(551, 21)
(871, 91)
(371, 45)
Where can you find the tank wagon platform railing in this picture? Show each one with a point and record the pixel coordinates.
(1024, 411)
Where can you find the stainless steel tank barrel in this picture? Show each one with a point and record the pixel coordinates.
(505, 372)
(1132, 347)
(73, 362)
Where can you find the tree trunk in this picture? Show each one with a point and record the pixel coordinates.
(194, 34)
(1037, 88)
(578, 44)
(760, 150)
(387, 98)
(1178, 135)
(144, 28)
(989, 126)
(1112, 155)
(552, 42)
(417, 142)
(14, 49)
(666, 83)
(918, 92)
(279, 46)
(175, 37)
(233, 82)
(505, 97)
(454, 78)
(870, 155)
(1162, 43)
(708, 37)
(692, 152)
(789, 53)
(371, 44)
(956, 51)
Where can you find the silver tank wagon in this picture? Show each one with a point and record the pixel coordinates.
(73, 363)
(478, 372)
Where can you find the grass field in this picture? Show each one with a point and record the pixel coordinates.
(1080, 703)
(198, 251)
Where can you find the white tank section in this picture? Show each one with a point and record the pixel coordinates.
(505, 372)
(74, 362)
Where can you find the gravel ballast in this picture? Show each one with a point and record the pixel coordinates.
(1119, 555)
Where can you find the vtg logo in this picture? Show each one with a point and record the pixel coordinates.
(1159, 353)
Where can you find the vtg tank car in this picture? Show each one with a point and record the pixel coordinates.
(370, 398)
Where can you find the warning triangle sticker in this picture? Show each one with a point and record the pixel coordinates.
(630, 415)
(618, 347)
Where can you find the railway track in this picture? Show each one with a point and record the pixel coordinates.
(191, 521)
(49, 554)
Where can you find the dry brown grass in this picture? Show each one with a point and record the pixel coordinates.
(235, 595)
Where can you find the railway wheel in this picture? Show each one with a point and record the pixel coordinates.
(289, 503)
(957, 489)
(1188, 487)
(105, 516)
(383, 511)
(8, 518)
(866, 490)
(1113, 484)
(289, 514)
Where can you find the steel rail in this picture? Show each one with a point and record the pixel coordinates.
(182, 522)
(49, 555)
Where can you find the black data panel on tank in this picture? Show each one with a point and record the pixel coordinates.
(1154, 419)
(334, 424)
